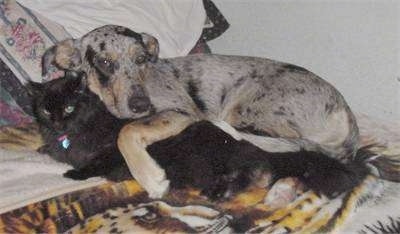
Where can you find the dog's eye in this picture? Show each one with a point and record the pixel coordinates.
(106, 65)
(141, 59)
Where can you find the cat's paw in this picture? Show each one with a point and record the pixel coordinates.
(227, 185)
(216, 193)
(75, 175)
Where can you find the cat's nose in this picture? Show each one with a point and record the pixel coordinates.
(58, 126)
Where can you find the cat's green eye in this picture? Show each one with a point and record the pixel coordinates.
(46, 112)
(69, 109)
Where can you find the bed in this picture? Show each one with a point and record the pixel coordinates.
(36, 198)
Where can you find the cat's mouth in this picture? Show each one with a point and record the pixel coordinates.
(59, 128)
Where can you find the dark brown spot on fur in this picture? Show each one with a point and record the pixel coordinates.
(293, 125)
(90, 58)
(223, 96)
(279, 113)
(114, 230)
(253, 74)
(176, 73)
(259, 97)
(129, 33)
(102, 46)
(193, 91)
(240, 81)
(294, 68)
(300, 90)
(329, 108)
(146, 123)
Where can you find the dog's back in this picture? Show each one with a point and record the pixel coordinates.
(268, 98)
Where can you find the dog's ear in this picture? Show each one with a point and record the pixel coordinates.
(48, 60)
(152, 46)
(63, 55)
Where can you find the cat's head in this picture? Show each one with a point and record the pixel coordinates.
(57, 103)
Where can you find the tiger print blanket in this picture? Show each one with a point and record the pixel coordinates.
(372, 207)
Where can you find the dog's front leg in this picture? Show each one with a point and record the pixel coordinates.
(136, 136)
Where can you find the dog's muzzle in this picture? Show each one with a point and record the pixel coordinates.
(139, 102)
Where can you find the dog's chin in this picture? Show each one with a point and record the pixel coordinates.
(129, 114)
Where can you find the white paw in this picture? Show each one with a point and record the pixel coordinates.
(158, 189)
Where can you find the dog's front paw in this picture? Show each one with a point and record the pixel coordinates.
(158, 189)
(75, 175)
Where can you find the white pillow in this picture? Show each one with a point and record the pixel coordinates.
(176, 24)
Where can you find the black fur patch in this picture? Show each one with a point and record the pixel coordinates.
(223, 96)
(102, 46)
(279, 113)
(329, 108)
(193, 91)
(90, 57)
(240, 81)
(300, 90)
(129, 33)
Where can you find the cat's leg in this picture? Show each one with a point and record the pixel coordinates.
(103, 164)
(136, 136)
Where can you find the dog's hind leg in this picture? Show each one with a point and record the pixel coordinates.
(136, 136)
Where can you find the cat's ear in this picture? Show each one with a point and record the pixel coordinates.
(33, 88)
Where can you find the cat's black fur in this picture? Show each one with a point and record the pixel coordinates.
(202, 156)
(205, 156)
(90, 128)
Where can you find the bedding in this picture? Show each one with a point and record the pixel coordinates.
(122, 207)
(36, 198)
(176, 24)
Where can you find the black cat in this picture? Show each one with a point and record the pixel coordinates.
(77, 128)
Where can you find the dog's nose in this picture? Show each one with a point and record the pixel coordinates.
(139, 104)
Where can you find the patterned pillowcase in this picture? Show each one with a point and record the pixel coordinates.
(24, 37)
(10, 112)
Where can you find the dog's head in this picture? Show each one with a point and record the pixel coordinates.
(114, 59)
